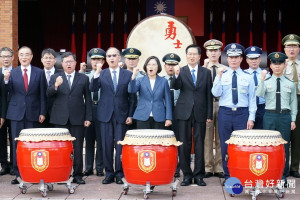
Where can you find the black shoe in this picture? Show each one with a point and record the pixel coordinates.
(208, 174)
(119, 180)
(223, 182)
(199, 181)
(177, 174)
(12, 172)
(88, 172)
(15, 181)
(100, 173)
(219, 174)
(108, 180)
(4, 170)
(186, 182)
(285, 182)
(78, 180)
(295, 174)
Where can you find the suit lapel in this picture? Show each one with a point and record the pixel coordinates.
(32, 78)
(156, 84)
(75, 80)
(199, 74)
(65, 83)
(120, 79)
(147, 84)
(20, 77)
(188, 74)
(107, 76)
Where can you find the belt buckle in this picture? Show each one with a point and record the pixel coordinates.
(234, 109)
(95, 102)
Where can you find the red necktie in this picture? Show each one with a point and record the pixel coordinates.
(25, 77)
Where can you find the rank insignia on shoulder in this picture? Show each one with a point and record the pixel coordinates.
(288, 78)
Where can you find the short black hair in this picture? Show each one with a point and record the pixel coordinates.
(48, 51)
(67, 54)
(157, 61)
(193, 46)
(7, 49)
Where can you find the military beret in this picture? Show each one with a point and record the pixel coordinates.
(291, 39)
(97, 53)
(213, 44)
(171, 59)
(277, 57)
(234, 49)
(253, 52)
(131, 53)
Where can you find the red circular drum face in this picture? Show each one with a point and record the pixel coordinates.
(158, 35)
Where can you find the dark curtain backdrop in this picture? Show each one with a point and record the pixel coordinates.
(44, 23)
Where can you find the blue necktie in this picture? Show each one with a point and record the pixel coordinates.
(256, 83)
(115, 80)
(194, 77)
(69, 80)
(234, 89)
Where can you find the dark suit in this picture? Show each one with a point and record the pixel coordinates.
(112, 112)
(157, 101)
(4, 129)
(193, 108)
(24, 108)
(49, 103)
(71, 107)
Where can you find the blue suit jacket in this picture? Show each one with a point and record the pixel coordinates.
(119, 103)
(33, 102)
(158, 101)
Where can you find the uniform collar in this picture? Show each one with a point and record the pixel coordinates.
(250, 70)
(238, 71)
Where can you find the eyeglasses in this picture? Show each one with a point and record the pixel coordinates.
(113, 55)
(24, 55)
(192, 54)
(69, 62)
(6, 57)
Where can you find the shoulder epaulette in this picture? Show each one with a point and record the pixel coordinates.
(288, 78)
(225, 71)
(246, 72)
(268, 78)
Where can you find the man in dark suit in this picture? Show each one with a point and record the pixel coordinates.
(48, 58)
(115, 110)
(193, 109)
(6, 59)
(72, 107)
(27, 105)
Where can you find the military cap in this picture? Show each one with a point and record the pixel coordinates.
(234, 49)
(131, 53)
(213, 44)
(97, 53)
(253, 52)
(171, 59)
(277, 57)
(291, 39)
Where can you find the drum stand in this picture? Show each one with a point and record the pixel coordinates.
(149, 188)
(44, 187)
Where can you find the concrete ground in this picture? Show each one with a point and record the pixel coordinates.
(94, 189)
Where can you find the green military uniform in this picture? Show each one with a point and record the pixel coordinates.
(279, 120)
(292, 71)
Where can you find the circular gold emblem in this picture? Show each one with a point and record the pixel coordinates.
(131, 50)
(233, 46)
(292, 37)
(171, 55)
(253, 49)
(95, 50)
(212, 43)
(276, 55)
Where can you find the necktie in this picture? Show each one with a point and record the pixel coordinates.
(69, 80)
(278, 100)
(214, 72)
(48, 76)
(115, 80)
(171, 92)
(25, 77)
(234, 89)
(256, 83)
(295, 76)
(194, 77)
(95, 96)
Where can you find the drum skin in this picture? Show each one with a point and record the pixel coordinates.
(163, 173)
(60, 154)
(239, 163)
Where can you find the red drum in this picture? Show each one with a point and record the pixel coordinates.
(161, 34)
(45, 154)
(149, 156)
(256, 155)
